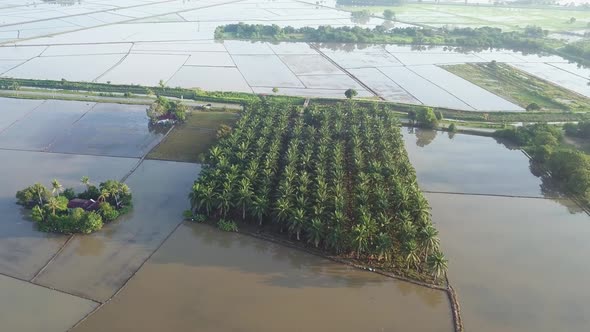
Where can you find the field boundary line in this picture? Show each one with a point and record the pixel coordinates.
(126, 281)
(50, 288)
(344, 70)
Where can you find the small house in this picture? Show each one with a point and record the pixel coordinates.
(85, 204)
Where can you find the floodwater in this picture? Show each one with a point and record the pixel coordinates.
(115, 130)
(23, 249)
(469, 164)
(518, 264)
(117, 42)
(203, 279)
(97, 265)
(40, 127)
(210, 78)
(28, 308)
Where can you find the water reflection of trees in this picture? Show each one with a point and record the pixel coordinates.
(550, 188)
(423, 136)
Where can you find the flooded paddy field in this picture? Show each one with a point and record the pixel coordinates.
(26, 307)
(76, 128)
(97, 265)
(470, 164)
(517, 263)
(224, 281)
(23, 249)
(127, 38)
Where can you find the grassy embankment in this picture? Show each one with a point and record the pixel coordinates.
(521, 88)
(100, 92)
(187, 141)
(504, 17)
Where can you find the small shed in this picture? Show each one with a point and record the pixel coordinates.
(85, 204)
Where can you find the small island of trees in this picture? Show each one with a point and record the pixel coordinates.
(164, 111)
(63, 211)
(336, 178)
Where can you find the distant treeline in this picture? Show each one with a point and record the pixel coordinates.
(532, 38)
(579, 50)
(370, 2)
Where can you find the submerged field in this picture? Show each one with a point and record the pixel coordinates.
(520, 87)
(508, 18)
(190, 140)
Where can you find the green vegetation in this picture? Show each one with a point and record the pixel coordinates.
(335, 177)
(506, 16)
(570, 167)
(227, 225)
(162, 109)
(189, 140)
(521, 88)
(425, 117)
(581, 129)
(195, 94)
(350, 93)
(529, 39)
(579, 50)
(532, 39)
(64, 211)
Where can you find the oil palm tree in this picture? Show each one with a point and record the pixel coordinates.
(384, 246)
(360, 239)
(315, 232)
(410, 250)
(56, 187)
(282, 210)
(296, 222)
(428, 240)
(437, 264)
(244, 195)
(104, 195)
(85, 181)
(55, 204)
(259, 208)
(40, 192)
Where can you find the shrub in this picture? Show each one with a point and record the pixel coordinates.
(452, 128)
(533, 107)
(69, 193)
(188, 215)
(91, 222)
(91, 192)
(107, 212)
(35, 194)
(350, 93)
(227, 225)
(426, 118)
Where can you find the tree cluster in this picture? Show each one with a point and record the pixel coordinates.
(164, 109)
(531, 39)
(581, 129)
(337, 177)
(542, 141)
(49, 208)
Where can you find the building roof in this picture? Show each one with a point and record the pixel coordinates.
(86, 204)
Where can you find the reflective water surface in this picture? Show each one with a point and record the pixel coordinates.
(518, 264)
(203, 279)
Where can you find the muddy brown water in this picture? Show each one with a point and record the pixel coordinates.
(517, 264)
(203, 279)
(28, 308)
(97, 265)
(23, 249)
